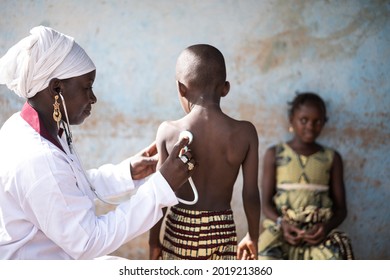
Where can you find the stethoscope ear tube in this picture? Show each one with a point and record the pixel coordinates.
(196, 197)
(73, 151)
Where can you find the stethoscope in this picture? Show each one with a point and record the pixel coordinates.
(187, 134)
(69, 140)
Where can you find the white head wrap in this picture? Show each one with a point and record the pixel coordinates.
(28, 66)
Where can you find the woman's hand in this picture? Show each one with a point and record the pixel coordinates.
(179, 165)
(144, 163)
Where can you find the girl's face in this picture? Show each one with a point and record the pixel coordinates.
(79, 97)
(307, 121)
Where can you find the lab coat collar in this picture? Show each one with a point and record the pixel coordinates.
(31, 116)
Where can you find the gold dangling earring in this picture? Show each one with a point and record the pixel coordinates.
(57, 113)
(291, 129)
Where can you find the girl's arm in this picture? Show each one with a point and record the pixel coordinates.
(268, 185)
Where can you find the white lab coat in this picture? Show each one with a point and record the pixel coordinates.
(47, 208)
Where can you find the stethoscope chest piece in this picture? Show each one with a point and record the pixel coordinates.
(186, 134)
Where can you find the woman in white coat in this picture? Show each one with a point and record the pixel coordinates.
(46, 198)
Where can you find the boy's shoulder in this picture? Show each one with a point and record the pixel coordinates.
(243, 124)
(167, 127)
(169, 124)
(246, 129)
(169, 130)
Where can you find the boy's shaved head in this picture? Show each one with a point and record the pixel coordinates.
(201, 66)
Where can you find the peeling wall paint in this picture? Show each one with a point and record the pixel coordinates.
(339, 49)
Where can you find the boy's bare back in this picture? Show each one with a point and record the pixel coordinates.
(221, 145)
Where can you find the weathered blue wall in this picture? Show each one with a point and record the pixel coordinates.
(339, 49)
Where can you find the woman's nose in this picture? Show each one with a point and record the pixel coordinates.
(93, 97)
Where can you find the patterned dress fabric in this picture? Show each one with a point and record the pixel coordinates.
(302, 198)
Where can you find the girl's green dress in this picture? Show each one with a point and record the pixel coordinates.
(302, 198)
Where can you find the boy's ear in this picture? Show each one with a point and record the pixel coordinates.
(226, 89)
(181, 88)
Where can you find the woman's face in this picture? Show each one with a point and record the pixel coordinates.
(79, 97)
